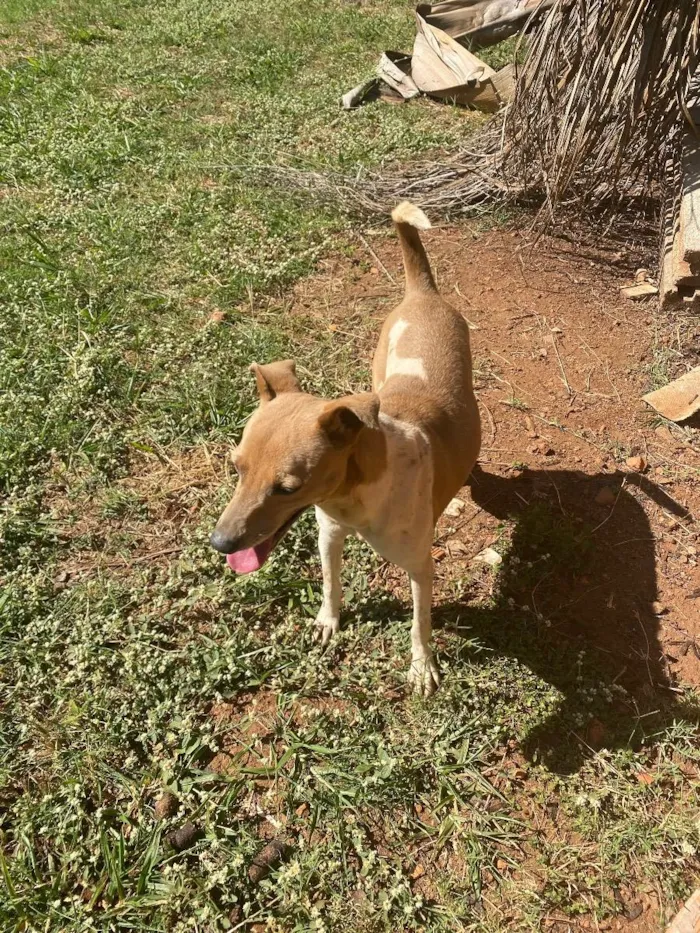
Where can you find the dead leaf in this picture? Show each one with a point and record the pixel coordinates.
(687, 920)
(644, 777)
(395, 69)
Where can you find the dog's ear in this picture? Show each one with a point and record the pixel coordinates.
(274, 378)
(341, 421)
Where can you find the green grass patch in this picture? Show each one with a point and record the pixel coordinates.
(17, 11)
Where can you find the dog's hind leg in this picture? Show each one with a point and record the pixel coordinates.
(331, 539)
(423, 674)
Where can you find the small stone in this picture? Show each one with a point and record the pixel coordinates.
(455, 508)
(638, 464)
(267, 858)
(658, 608)
(634, 911)
(166, 805)
(501, 864)
(605, 496)
(184, 838)
(61, 577)
(490, 557)
(641, 275)
(217, 317)
(663, 432)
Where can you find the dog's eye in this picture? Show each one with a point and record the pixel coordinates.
(279, 490)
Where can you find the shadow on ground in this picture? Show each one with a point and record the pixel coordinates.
(586, 587)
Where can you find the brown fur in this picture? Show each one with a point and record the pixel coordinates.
(445, 406)
(321, 450)
(296, 450)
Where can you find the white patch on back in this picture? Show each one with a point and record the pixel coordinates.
(402, 365)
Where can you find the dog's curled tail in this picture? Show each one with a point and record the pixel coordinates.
(409, 219)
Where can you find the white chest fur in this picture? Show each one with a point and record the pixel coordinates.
(394, 514)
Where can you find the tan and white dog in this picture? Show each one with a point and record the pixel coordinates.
(382, 464)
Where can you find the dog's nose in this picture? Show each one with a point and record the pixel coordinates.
(221, 542)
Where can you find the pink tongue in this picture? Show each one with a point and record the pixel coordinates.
(251, 559)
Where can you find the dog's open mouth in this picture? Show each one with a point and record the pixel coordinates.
(252, 558)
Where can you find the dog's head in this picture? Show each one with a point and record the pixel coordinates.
(294, 453)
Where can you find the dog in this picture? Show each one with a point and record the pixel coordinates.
(382, 464)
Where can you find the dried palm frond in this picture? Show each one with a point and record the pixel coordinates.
(600, 100)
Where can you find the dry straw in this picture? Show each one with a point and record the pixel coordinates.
(600, 101)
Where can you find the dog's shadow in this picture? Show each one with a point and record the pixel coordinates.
(578, 579)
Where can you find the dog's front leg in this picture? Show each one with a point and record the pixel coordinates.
(423, 674)
(331, 539)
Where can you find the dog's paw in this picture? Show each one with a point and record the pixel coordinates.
(424, 676)
(325, 627)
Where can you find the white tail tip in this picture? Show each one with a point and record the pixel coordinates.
(407, 213)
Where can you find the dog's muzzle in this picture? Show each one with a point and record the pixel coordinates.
(222, 543)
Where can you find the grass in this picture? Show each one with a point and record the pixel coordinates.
(17, 11)
(129, 227)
